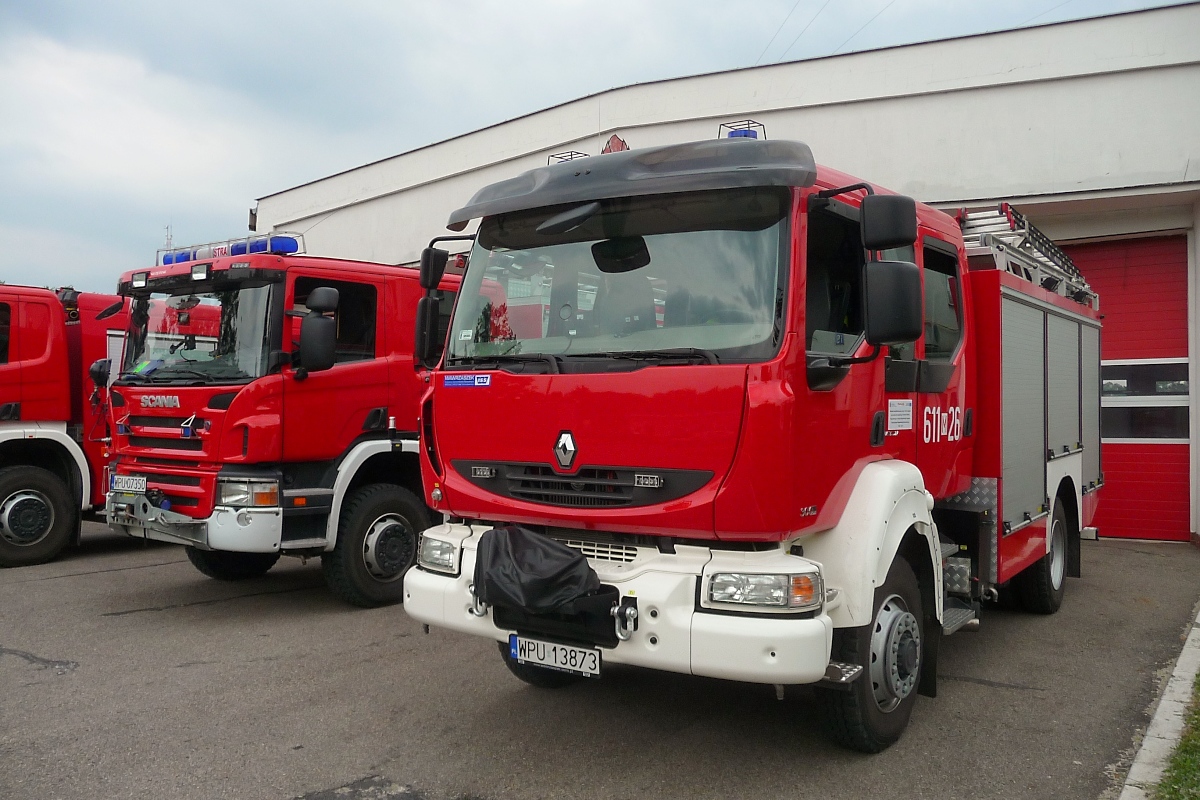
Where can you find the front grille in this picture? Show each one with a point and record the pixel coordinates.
(179, 501)
(590, 487)
(162, 422)
(603, 551)
(165, 443)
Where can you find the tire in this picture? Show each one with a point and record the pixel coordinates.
(376, 544)
(226, 566)
(1040, 588)
(872, 715)
(38, 516)
(541, 677)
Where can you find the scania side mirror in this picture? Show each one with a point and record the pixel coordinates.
(433, 265)
(893, 302)
(425, 343)
(888, 220)
(99, 372)
(318, 333)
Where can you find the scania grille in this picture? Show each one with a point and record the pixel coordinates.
(166, 442)
(163, 422)
(589, 487)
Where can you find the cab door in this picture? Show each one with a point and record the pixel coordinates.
(10, 363)
(941, 415)
(325, 412)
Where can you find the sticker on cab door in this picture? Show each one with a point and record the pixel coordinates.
(900, 415)
(466, 380)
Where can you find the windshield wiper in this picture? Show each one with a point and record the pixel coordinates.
(506, 358)
(688, 354)
(157, 376)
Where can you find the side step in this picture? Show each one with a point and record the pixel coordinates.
(302, 544)
(957, 615)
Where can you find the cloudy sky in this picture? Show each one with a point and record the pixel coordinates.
(119, 119)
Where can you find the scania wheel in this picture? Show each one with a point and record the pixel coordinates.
(874, 712)
(231, 566)
(377, 542)
(37, 516)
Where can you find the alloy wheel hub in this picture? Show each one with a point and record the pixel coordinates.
(26, 517)
(895, 654)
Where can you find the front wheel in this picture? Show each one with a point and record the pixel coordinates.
(1042, 585)
(541, 677)
(225, 566)
(37, 516)
(871, 716)
(377, 542)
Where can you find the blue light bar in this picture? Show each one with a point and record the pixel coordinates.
(258, 246)
(237, 249)
(743, 133)
(282, 245)
(168, 258)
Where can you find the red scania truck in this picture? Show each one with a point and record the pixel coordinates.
(267, 405)
(764, 422)
(53, 434)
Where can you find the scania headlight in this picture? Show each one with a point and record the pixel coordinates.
(438, 555)
(247, 494)
(790, 592)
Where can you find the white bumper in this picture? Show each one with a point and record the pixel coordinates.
(673, 633)
(236, 530)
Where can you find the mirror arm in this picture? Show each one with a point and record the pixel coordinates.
(837, 361)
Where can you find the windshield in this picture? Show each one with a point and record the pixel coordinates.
(697, 272)
(211, 336)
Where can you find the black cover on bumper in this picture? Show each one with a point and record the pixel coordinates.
(526, 571)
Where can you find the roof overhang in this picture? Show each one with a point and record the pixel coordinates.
(688, 167)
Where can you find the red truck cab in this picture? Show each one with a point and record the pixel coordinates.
(236, 442)
(743, 433)
(53, 422)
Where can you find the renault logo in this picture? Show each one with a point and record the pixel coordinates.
(564, 450)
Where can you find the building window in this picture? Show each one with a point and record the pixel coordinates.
(1145, 400)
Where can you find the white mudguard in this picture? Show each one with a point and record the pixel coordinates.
(888, 500)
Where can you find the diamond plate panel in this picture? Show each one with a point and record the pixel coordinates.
(956, 575)
(982, 496)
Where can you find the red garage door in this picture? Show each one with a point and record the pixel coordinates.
(1144, 371)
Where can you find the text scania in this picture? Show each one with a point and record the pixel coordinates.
(160, 401)
(942, 426)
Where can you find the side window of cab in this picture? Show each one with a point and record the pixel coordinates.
(356, 316)
(943, 303)
(5, 327)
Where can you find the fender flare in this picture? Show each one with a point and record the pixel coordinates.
(888, 500)
(55, 432)
(359, 455)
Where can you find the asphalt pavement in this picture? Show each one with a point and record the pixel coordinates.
(125, 673)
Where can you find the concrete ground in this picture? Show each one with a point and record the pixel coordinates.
(125, 673)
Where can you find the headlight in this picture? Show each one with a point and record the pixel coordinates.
(247, 494)
(438, 555)
(791, 592)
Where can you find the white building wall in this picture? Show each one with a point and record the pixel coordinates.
(1074, 112)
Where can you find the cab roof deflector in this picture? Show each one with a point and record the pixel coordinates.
(688, 167)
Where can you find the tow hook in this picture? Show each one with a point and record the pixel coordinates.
(478, 607)
(625, 616)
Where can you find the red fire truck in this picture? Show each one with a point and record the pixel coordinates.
(267, 405)
(53, 434)
(776, 425)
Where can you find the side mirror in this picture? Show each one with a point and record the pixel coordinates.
(433, 265)
(888, 220)
(318, 341)
(99, 372)
(109, 311)
(893, 302)
(322, 299)
(425, 343)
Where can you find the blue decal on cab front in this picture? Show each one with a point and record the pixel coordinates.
(466, 380)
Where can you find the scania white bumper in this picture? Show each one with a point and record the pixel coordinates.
(675, 631)
(237, 530)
